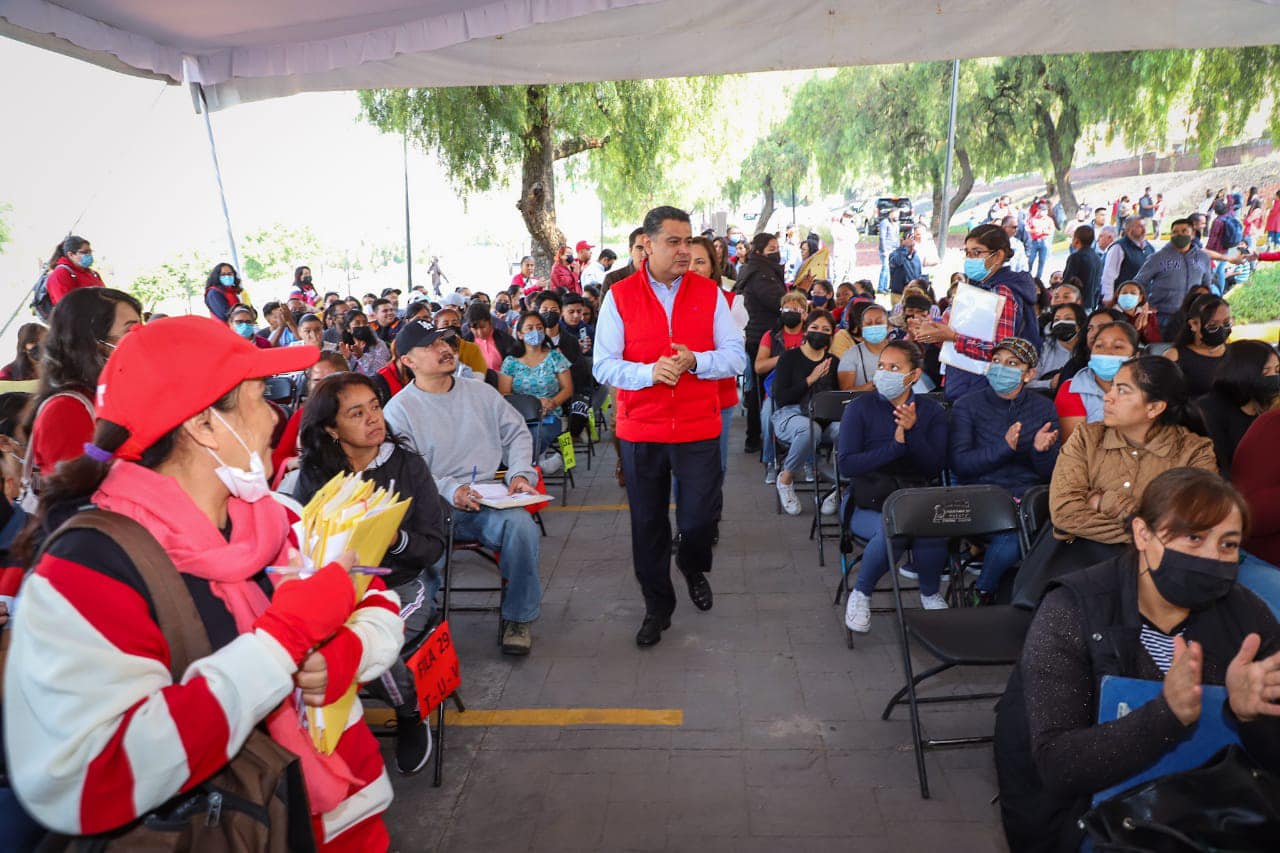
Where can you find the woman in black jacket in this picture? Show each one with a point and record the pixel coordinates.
(1168, 610)
(761, 286)
(1245, 386)
(343, 430)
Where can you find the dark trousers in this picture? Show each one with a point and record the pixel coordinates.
(751, 393)
(648, 467)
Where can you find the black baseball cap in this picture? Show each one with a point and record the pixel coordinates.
(420, 333)
(387, 290)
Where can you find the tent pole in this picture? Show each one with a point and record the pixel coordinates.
(217, 173)
(408, 233)
(944, 222)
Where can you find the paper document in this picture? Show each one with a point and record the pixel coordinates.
(494, 495)
(974, 313)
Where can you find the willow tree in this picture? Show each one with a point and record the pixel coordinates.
(777, 162)
(620, 135)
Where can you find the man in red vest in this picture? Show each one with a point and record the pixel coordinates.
(663, 340)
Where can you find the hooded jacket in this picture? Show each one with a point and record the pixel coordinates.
(1020, 287)
(761, 285)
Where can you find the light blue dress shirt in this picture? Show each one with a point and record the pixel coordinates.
(729, 358)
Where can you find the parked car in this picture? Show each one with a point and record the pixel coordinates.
(885, 203)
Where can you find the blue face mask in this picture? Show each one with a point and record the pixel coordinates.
(227, 280)
(975, 269)
(1127, 301)
(534, 338)
(874, 334)
(86, 261)
(1003, 378)
(1105, 367)
(818, 301)
(245, 330)
(890, 385)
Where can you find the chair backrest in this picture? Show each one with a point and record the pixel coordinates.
(529, 407)
(1033, 514)
(938, 397)
(1159, 348)
(280, 389)
(949, 511)
(829, 405)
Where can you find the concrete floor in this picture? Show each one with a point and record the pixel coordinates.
(781, 747)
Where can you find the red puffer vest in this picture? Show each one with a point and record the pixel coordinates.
(691, 410)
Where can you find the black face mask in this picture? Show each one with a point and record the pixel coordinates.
(790, 319)
(364, 335)
(550, 320)
(773, 257)
(818, 340)
(502, 307)
(1193, 582)
(1215, 336)
(306, 279)
(1267, 388)
(1064, 330)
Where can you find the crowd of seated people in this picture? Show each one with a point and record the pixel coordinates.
(1135, 449)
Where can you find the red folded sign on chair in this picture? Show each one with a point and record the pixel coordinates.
(435, 669)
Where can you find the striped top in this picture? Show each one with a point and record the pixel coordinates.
(1159, 645)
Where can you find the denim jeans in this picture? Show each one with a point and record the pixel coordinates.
(513, 533)
(883, 286)
(1001, 555)
(767, 454)
(18, 829)
(544, 433)
(791, 425)
(1037, 250)
(1219, 278)
(929, 555)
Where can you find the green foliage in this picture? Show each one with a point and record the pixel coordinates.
(1258, 299)
(778, 161)
(181, 276)
(272, 253)
(632, 131)
(6, 232)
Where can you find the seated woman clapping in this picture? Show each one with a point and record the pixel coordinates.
(1166, 609)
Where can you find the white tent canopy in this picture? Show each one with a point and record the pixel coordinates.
(247, 50)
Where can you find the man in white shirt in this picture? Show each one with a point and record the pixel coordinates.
(844, 248)
(595, 271)
(1017, 263)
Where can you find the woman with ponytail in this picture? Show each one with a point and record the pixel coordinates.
(98, 731)
(1149, 425)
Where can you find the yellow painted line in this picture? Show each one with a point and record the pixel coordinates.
(554, 717)
(594, 508)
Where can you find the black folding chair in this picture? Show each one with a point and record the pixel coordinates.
(827, 406)
(530, 408)
(1033, 515)
(283, 389)
(966, 636)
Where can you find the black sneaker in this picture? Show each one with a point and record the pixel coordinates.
(651, 629)
(413, 744)
(753, 445)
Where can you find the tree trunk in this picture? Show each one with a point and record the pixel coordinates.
(1060, 139)
(537, 204)
(766, 209)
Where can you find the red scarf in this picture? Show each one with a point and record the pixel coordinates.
(260, 537)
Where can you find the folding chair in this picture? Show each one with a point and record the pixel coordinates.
(1033, 515)
(1159, 348)
(530, 408)
(965, 636)
(453, 544)
(828, 406)
(282, 390)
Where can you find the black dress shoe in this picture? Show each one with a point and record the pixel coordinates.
(752, 445)
(699, 589)
(651, 629)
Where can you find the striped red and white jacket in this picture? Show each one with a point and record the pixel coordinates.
(97, 732)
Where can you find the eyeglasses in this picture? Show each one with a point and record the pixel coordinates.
(977, 253)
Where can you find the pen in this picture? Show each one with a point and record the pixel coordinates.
(355, 570)
(473, 476)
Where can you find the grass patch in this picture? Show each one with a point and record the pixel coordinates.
(1258, 299)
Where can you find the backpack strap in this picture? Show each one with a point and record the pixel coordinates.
(176, 613)
(27, 498)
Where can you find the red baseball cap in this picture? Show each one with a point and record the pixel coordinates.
(169, 370)
(583, 244)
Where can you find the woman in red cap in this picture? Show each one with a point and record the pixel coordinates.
(99, 733)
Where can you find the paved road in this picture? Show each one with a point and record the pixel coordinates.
(781, 747)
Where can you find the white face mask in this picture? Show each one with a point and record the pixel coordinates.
(250, 486)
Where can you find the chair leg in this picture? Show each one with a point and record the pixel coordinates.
(897, 697)
(438, 775)
(916, 737)
(537, 517)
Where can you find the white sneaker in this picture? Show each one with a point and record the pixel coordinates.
(857, 614)
(831, 503)
(787, 494)
(551, 463)
(904, 572)
(770, 474)
(933, 602)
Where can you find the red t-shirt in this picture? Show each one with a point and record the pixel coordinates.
(790, 340)
(60, 432)
(1068, 403)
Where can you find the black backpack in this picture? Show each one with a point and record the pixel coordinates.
(41, 302)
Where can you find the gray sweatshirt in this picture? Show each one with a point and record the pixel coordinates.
(1169, 275)
(469, 428)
